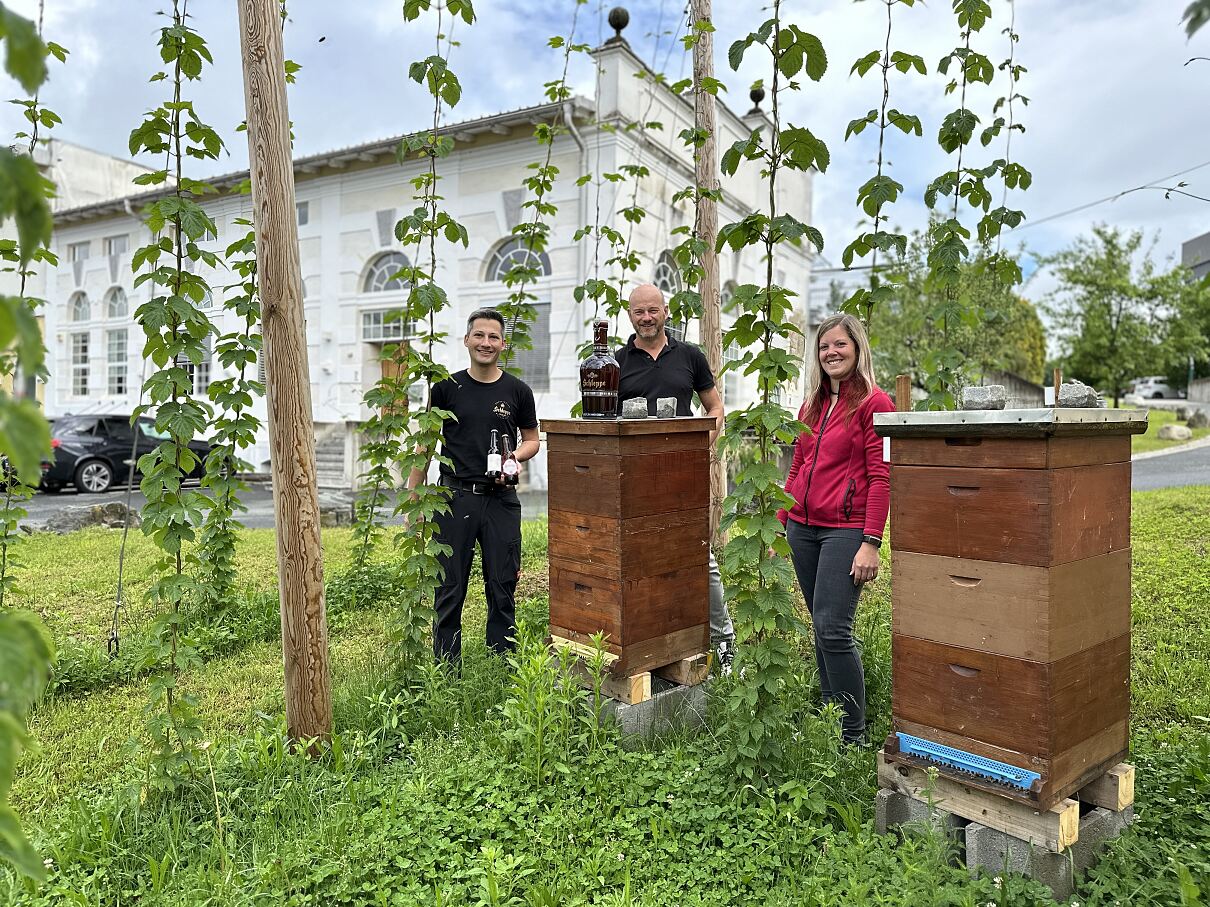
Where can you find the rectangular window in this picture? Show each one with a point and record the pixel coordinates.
(731, 378)
(199, 373)
(116, 245)
(384, 325)
(535, 364)
(77, 251)
(115, 355)
(79, 364)
(303, 210)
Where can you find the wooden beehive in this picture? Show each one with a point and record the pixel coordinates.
(1010, 534)
(629, 531)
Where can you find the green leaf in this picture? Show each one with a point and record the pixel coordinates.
(24, 52)
(864, 64)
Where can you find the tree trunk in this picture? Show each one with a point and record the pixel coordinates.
(288, 385)
(706, 163)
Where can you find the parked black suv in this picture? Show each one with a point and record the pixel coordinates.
(94, 452)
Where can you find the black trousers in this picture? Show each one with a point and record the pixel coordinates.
(494, 521)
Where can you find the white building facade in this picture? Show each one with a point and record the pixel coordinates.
(348, 203)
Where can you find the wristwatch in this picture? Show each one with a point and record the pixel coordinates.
(874, 540)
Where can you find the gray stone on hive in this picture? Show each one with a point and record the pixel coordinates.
(990, 396)
(1199, 419)
(895, 813)
(992, 852)
(1078, 394)
(1174, 432)
(634, 408)
(665, 408)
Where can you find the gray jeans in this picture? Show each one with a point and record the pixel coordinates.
(822, 559)
(721, 628)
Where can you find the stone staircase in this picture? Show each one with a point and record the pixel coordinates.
(330, 446)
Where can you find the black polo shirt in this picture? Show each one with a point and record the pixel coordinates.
(680, 371)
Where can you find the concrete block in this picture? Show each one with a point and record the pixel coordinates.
(671, 707)
(993, 852)
(991, 396)
(665, 408)
(893, 810)
(634, 408)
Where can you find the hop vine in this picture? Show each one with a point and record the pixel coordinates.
(176, 331)
(756, 561)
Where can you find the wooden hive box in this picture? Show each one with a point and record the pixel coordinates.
(1010, 534)
(629, 535)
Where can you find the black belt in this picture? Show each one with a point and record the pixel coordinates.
(484, 487)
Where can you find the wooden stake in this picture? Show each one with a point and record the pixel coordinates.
(903, 394)
(706, 162)
(288, 385)
(1058, 378)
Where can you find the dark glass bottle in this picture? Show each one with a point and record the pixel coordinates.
(599, 375)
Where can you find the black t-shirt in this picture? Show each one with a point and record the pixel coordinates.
(681, 370)
(506, 405)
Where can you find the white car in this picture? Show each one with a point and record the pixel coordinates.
(1154, 388)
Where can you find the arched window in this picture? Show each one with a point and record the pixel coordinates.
(726, 295)
(668, 278)
(78, 308)
(382, 275)
(513, 252)
(116, 305)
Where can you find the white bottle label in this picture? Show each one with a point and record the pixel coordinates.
(511, 467)
(493, 463)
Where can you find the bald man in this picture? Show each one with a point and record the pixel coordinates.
(655, 365)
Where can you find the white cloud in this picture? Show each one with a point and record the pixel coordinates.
(1112, 104)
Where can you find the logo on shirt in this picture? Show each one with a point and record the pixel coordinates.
(502, 410)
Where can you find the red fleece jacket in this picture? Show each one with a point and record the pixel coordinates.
(838, 477)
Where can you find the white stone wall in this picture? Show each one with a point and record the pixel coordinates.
(350, 216)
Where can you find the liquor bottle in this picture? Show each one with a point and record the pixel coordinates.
(493, 456)
(599, 375)
(510, 468)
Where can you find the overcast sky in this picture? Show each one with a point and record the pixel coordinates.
(1112, 104)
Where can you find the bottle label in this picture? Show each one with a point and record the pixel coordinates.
(592, 383)
(511, 467)
(493, 463)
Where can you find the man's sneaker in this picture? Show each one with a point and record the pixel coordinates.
(726, 657)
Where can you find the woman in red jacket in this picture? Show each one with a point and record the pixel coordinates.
(841, 490)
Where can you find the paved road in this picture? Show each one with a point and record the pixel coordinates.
(1188, 467)
(258, 498)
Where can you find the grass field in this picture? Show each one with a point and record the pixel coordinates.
(1157, 419)
(441, 795)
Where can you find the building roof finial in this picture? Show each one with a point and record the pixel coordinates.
(619, 18)
(756, 95)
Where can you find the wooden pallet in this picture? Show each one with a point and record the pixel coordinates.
(1055, 829)
(633, 688)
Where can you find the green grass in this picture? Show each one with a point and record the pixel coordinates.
(1157, 419)
(434, 796)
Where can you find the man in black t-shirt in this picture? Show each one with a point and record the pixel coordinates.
(654, 365)
(483, 399)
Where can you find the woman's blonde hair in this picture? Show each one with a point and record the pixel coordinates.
(856, 388)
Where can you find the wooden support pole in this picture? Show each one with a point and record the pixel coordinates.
(288, 385)
(706, 163)
(903, 394)
(1058, 377)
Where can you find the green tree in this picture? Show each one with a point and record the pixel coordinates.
(1002, 330)
(1118, 315)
